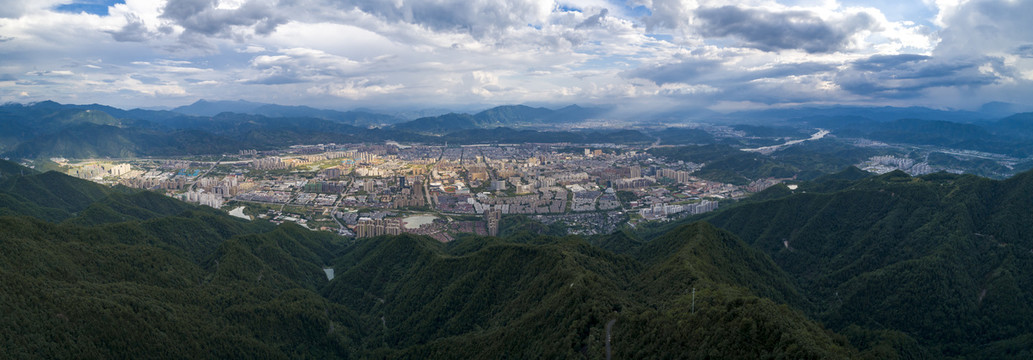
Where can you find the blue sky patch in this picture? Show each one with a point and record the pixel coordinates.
(95, 7)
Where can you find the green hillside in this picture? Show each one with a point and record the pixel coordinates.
(935, 261)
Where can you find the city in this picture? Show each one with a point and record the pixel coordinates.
(366, 190)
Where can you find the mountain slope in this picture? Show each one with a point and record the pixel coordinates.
(935, 258)
(539, 296)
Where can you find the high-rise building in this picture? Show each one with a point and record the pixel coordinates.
(493, 217)
(367, 227)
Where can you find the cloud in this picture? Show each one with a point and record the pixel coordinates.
(782, 30)
(299, 65)
(144, 79)
(686, 69)
(461, 52)
(204, 17)
(907, 76)
(478, 18)
(666, 14)
(51, 73)
(12, 8)
(887, 62)
(985, 26)
(134, 31)
(355, 89)
(594, 20)
(1025, 51)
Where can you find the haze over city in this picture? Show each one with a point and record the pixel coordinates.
(642, 54)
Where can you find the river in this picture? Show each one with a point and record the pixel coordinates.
(770, 149)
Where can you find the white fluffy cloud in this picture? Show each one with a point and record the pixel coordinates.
(459, 52)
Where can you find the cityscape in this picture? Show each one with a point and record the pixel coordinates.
(365, 190)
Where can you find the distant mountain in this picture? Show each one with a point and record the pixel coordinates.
(50, 129)
(213, 108)
(96, 141)
(512, 116)
(503, 135)
(876, 114)
(438, 124)
(997, 109)
(1018, 125)
(1006, 136)
(21, 123)
(411, 114)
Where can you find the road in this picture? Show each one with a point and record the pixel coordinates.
(654, 144)
(426, 191)
(203, 175)
(609, 327)
(337, 204)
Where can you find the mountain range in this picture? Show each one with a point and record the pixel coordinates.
(48, 129)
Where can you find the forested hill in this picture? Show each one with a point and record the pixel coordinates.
(119, 273)
(939, 261)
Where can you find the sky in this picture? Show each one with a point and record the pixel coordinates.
(642, 55)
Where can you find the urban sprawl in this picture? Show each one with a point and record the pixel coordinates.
(368, 190)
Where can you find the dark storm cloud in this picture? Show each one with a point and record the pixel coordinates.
(906, 76)
(201, 17)
(772, 31)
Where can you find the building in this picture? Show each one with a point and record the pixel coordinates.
(498, 185)
(633, 183)
(493, 217)
(679, 176)
(367, 227)
(634, 172)
(332, 173)
(270, 163)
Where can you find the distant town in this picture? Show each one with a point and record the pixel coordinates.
(366, 190)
